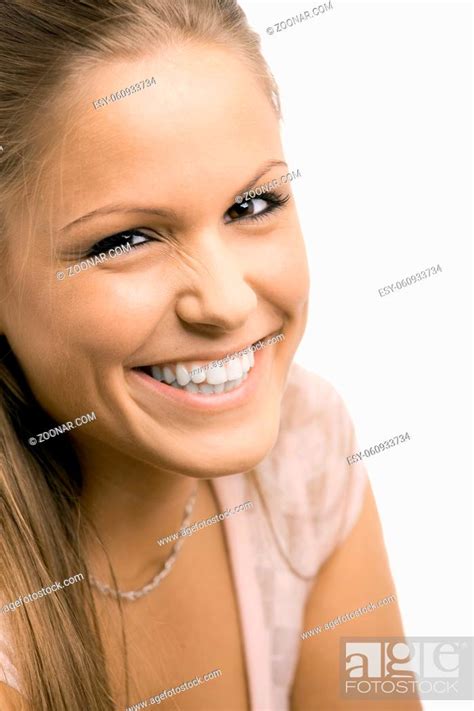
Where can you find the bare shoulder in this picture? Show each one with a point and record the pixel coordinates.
(355, 576)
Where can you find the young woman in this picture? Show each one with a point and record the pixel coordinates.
(130, 130)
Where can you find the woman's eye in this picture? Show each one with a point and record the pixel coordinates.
(252, 206)
(134, 238)
(255, 208)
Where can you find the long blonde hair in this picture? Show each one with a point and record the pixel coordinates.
(56, 646)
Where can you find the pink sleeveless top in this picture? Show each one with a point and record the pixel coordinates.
(310, 501)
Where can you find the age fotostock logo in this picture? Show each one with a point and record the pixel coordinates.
(399, 668)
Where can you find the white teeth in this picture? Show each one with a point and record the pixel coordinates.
(234, 369)
(216, 375)
(232, 384)
(245, 363)
(182, 375)
(168, 375)
(205, 379)
(199, 376)
(156, 372)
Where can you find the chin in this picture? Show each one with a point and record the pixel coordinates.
(227, 453)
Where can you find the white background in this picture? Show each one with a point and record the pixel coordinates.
(377, 116)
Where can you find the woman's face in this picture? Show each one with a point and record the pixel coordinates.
(203, 278)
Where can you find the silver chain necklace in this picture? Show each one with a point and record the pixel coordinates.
(169, 562)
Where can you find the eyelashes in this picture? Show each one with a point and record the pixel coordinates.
(128, 237)
(252, 210)
(249, 210)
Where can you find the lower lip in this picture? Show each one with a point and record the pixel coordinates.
(208, 403)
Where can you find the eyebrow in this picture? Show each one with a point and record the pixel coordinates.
(160, 212)
(122, 208)
(264, 169)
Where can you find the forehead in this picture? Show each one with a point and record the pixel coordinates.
(204, 117)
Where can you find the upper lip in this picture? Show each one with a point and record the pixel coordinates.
(206, 356)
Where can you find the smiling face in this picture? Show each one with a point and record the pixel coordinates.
(204, 277)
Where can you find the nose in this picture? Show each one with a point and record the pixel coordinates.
(219, 297)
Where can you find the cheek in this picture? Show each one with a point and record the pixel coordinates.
(281, 269)
(115, 314)
(65, 331)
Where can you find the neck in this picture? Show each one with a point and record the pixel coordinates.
(130, 505)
